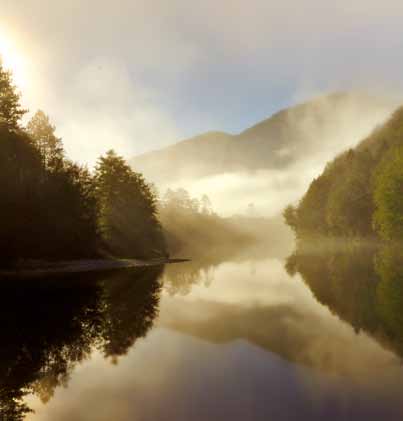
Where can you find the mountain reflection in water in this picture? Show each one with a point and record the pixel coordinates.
(253, 337)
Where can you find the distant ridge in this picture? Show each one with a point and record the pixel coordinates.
(327, 123)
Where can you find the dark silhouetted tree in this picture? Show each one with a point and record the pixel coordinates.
(10, 107)
(128, 219)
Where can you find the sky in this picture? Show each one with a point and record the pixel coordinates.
(137, 75)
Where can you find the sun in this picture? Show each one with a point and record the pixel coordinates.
(12, 60)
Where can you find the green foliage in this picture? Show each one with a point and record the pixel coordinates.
(349, 205)
(311, 213)
(128, 219)
(53, 208)
(10, 108)
(357, 187)
(388, 195)
(48, 210)
(290, 216)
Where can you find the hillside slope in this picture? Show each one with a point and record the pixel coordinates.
(360, 192)
(318, 129)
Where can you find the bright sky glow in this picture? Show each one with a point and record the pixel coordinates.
(13, 60)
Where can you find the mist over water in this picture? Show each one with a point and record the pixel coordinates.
(261, 193)
(323, 131)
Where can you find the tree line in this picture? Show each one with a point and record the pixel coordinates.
(192, 228)
(54, 208)
(360, 193)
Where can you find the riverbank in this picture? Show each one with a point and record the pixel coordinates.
(38, 269)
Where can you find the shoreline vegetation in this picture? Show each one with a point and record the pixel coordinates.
(54, 209)
(60, 216)
(359, 195)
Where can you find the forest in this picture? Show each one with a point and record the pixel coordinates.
(360, 193)
(56, 209)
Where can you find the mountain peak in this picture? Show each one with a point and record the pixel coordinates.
(328, 122)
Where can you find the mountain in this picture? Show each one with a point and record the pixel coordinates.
(315, 130)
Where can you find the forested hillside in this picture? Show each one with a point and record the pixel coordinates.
(360, 193)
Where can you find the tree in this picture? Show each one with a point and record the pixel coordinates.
(360, 192)
(10, 107)
(128, 219)
(388, 195)
(42, 132)
(53, 208)
(349, 205)
(20, 176)
(68, 207)
(311, 212)
(290, 216)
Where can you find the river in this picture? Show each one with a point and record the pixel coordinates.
(255, 336)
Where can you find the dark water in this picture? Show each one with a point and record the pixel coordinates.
(257, 337)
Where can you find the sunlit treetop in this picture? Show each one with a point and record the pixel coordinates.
(11, 111)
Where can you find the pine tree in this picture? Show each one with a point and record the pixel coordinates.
(10, 107)
(128, 219)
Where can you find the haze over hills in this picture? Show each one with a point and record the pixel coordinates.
(271, 164)
(324, 125)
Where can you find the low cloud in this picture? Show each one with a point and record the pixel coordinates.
(269, 191)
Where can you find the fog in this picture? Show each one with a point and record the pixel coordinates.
(322, 135)
(140, 75)
(263, 193)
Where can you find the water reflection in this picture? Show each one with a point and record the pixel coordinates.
(180, 279)
(223, 339)
(259, 303)
(363, 285)
(49, 327)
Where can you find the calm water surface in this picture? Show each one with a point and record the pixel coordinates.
(311, 337)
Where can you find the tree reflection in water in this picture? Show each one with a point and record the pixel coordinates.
(50, 326)
(363, 285)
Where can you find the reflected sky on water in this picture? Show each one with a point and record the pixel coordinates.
(308, 338)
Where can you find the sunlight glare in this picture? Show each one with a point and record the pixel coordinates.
(12, 60)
